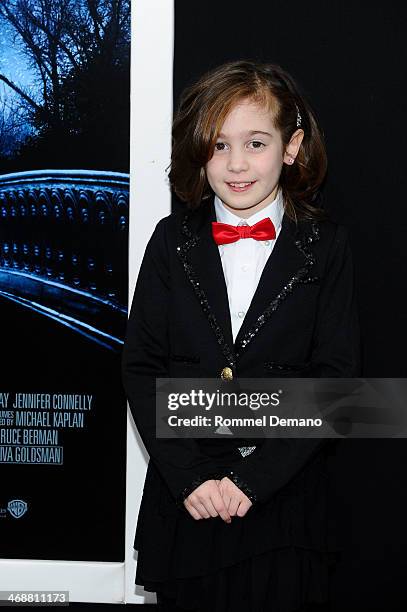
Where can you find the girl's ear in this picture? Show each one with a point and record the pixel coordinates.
(293, 147)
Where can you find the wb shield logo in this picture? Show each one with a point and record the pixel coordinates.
(17, 507)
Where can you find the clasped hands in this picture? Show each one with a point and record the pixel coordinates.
(217, 498)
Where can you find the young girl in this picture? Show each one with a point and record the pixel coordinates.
(249, 281)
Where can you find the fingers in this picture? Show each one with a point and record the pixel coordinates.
(196, 509)
(217, 498)
(220, 507)
(194, 513)
(206, 501)
(235, 500)
(233, 505)
(210, 509)
(244, 506)
(203, 510)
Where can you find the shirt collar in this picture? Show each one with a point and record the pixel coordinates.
(274, 210)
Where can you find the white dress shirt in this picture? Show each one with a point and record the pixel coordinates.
(243, 261)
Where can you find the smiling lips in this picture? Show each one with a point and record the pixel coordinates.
(239, 187)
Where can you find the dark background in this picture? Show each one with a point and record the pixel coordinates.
(349, 60)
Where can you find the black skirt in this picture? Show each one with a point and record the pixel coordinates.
(279, 580)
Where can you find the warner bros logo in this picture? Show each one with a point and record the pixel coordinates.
(17, 507)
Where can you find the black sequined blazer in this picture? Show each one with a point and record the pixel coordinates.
(301, 322)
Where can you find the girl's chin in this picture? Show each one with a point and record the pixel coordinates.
(244, 209)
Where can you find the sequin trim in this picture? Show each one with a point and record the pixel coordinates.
(246, 450)
(242, 486)
(310, 279)
(203, 300)
(303, 275)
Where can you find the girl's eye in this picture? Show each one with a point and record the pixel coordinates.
(220, 146)
(256, 144)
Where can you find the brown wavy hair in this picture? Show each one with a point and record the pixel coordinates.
(202, 111)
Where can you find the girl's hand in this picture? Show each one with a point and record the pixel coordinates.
(206, 502)
(235, 500)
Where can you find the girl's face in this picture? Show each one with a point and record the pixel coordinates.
(245, 168)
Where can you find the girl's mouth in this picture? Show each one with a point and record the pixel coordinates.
(239, 187)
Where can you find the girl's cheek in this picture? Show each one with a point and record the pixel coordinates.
(213, 167)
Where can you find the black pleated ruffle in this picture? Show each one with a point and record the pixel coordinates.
(279, 580)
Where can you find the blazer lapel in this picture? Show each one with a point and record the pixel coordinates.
(203, 267)
(289, 264)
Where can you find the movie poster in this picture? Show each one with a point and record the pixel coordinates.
(64, 185)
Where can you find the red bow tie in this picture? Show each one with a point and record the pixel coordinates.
(223, 233)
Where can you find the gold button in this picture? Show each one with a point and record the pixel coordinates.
(226, 374)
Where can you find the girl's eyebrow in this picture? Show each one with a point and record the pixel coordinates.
(247, 133)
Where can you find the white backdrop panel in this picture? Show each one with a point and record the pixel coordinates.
(150, 198)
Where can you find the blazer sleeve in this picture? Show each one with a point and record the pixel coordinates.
(335, 353)
(145, 357)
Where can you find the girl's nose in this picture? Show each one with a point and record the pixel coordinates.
(237, 162)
